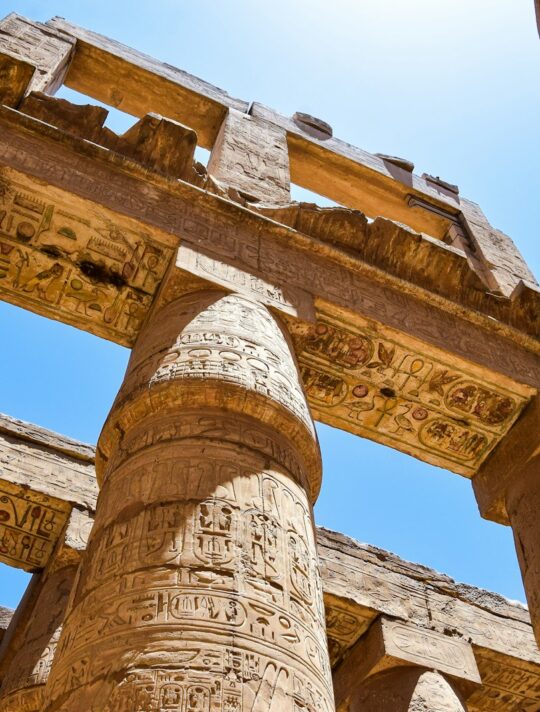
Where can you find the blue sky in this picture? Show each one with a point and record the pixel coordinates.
(449, 84)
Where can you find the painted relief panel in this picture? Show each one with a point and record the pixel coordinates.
(30, 524)
(370, 385)
(508, 685)
(74, 265)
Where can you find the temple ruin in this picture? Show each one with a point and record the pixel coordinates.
(197, 581)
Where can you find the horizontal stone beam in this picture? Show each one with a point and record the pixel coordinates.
(138, 84)
(91, 250)
(363, 582)
(392, 644)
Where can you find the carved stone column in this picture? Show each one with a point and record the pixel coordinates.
(507, 489)
(401, 667)
(523, 507)
(200, 589)
(28, 649)
(405, 689)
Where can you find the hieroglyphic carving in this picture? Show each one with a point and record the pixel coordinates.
(508, 685)
(43, 49)
(80, 265)
(30, 659)
(374, 386)
(30, 524)
(240, 346)
(248, 544)
(252, 157)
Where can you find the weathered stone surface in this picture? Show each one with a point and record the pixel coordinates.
(6, 614)
(33, 57)
(418, 329)
(507, 489)
(251, 156)
(25, 664)
(47, 463)
(29, 647)
(110, 294)
(361, 578)
(138, 84)
(226, 232)
(163, 145)
(288, 300)
(360, 381)
(30, 524)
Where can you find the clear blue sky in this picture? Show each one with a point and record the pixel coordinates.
(452, 85)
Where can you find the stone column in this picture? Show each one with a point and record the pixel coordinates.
(200, 589)
(401, 667)
(29, 666)
(507, 489)
(28, 649)
(405, 689)
(523, 507)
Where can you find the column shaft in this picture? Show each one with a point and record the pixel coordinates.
(200, 589)
(31, 659)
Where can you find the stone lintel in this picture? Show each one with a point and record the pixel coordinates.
(51, 465)
(30, 524)
(223, 228)
(251, 156)
(45, 479)
(137, 84)
(33, 57)
(508, 463)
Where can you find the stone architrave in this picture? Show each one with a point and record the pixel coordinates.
(405, 689)
(33, 57)
(251, 156)
(200, 588)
